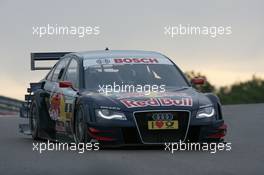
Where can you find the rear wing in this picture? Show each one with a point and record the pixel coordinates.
(45, 56)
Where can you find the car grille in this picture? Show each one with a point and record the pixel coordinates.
(162, 136)
(130, 136)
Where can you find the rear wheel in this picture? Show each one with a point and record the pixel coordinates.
(80, 127)
(40, 123)
(34, 121)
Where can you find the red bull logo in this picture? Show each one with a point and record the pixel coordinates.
(131, 103)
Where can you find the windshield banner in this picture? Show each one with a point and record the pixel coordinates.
(138, 60)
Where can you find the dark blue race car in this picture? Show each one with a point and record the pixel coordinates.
(119, 98)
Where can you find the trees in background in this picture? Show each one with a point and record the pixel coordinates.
(251, 91)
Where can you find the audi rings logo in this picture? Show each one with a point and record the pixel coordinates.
(162, 116)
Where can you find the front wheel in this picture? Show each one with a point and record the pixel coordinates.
(80, 127)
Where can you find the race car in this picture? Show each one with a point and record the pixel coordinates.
(119, 97)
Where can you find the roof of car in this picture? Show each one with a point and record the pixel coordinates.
(118, 53)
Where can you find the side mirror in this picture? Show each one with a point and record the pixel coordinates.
(65, 84)
(198, 81)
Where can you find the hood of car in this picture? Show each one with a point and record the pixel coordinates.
(179, 99)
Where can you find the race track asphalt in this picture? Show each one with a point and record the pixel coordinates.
(245, 132)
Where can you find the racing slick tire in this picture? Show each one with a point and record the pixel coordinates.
(80, 127)
(34, 120)
(40, 122)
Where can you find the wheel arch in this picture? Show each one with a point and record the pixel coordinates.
(81, 102)
(46, 124)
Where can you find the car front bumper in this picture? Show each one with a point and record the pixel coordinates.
(128, 134)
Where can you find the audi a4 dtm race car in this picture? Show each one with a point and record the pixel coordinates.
(119, 98)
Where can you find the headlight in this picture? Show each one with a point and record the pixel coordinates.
(109, 114)
(206, 112)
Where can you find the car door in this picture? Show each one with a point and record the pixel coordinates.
(70, 93)
(55, 101)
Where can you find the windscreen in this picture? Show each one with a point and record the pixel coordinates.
(141, 71)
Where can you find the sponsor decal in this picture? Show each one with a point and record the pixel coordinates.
(59, 109)
(161, 124)
(130, 60)
(110, 107)
(132, 103)
(136, 60)
(56, 102)
(163, 121)
(152, 94)
(103, 61)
